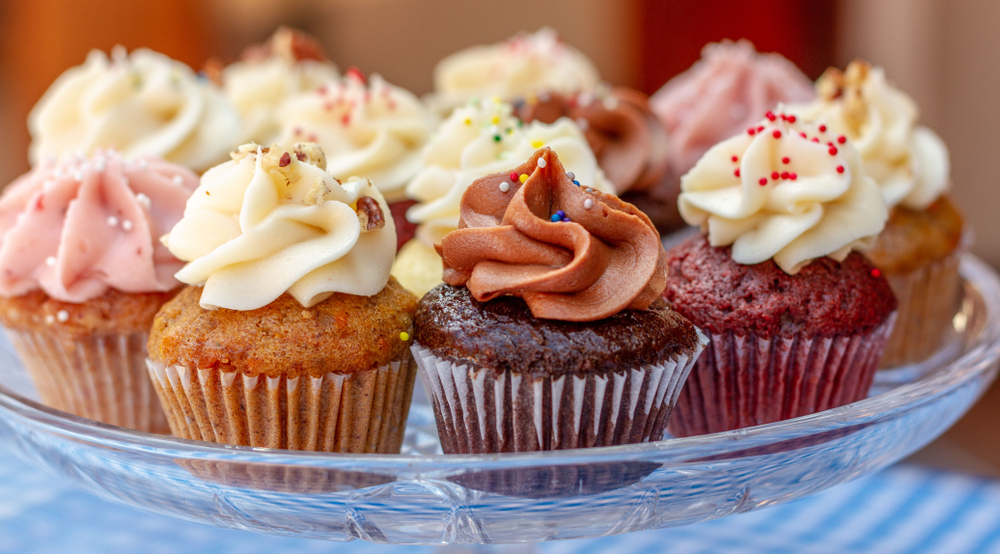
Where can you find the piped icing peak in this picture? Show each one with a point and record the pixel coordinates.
(720, 95)
(783, 189)
(628, 140)
(909, 162)
(271, 221)
(366, 127)
(571, 254)
(481, 138)
(77, 227)
(524, 64)
(290, 63)
(143, 104)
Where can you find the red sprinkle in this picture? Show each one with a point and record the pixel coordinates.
(841, 139)
(876, 272)
(815, 139)
(356, 73)
(776, 133)
(803, 135)
(751, 131)
(785, 160)
(775, 175)
(513, 177)
(346, 119)
(785, 174)
(763, 181)
(735, 159)
(769, 115)
(822, 128)
(793, 176)
(840, 169)
(791, 119)
(832, 150)
(737, 172)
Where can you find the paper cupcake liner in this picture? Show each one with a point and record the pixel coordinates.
(102, 378)
(928, 299)
(557, 481)
(281, 478)
(745, 380)
(479, 411)
(359, 412)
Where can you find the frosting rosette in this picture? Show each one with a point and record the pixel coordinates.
(784, 190)
(371, 128)
(288, 64)
(483, 138)
(628, 140)
(908, 161)
(77, 227)
(143, 104)
(521, 65)
(271, 221)
(571, 254)
(728, 90)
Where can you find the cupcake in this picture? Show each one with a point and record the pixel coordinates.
(291, 62)
(549, 332)
(291, 333)
(797, 320)
(369, 128)
(476, 140)
(143, 104)
(721, 96)
(525, 64)
(628, 140)
(82, 276)
(919, 249)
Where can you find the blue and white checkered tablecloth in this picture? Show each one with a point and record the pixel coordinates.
(901, 510)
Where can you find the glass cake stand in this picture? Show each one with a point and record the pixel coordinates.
(422, 496)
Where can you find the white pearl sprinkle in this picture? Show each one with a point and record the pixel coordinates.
(178, 180)
(62, 316)
(50, 319)
(144, 200)
(143, 164)
(583, 123)
(127, 225)
(541, 162)
(113, 221)
(571, 175)
(504, 186)
(588, 203)
(48, 184)
(590, 189)
(78, 175)
(50, 261)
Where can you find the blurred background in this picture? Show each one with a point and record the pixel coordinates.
(944, 53)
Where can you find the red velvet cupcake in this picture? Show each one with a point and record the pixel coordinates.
(797, 321)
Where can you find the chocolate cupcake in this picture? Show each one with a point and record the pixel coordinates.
(291, 333)
(797, 322)
(548, 332)
(628, 140)
(920, 247)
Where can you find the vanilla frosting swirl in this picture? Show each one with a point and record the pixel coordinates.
(289, 63)
(521, 65)
(909, 162)
(372, 129)
(483, 138)
(784, 190)
(81, 226)
(571, 254)
(143, 104)
(270, 221)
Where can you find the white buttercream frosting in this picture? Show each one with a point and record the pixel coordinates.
(522, 65)
(255, 229)
(909, 162)
(483, 138)
(142, 104)
(783, 190)
(372, 129)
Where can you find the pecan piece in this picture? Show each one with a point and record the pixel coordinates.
(370, 214)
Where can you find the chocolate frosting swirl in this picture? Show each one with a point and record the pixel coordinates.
(628, 140)
(604, 256)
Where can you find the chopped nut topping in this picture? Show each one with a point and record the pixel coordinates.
(370, 214)
(310, 153)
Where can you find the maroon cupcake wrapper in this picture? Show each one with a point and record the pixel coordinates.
(746, 380)
(480, 411)
(928, 299)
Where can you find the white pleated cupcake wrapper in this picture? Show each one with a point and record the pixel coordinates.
(928, 299)
(745, 380)
(100, 377)
(360, 412)
(480, 411)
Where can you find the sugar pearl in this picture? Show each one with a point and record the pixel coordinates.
(50, 261)
(541, 162)
(588, 203)
(62, 316)
(127, 225)
(504, 186)
(113, 221)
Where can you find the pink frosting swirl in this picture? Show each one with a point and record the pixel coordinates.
(79, 227)
(727, 91)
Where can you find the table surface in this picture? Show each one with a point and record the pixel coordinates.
(903, 509)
